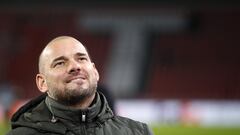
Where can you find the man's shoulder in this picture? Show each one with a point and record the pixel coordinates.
(129, 121)
(28, 131)
(133, 124)
(23, 131)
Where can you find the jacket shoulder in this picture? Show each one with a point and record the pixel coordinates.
(133, 125)
(28, 131)
(23, 131)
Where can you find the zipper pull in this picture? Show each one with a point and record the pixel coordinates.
(83, 117)
(53, 120)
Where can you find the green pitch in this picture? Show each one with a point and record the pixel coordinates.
(4, 127)
(193, 130)
(172, 130)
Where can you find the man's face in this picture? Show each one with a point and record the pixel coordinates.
(68, 71)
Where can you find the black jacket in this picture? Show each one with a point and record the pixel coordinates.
(36, 118)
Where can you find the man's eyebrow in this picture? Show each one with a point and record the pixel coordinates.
(81, 54)
(59, 58)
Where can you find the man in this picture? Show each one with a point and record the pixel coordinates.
(70, 104)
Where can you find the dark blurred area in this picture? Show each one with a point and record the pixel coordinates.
(190, 50)
(165, 49)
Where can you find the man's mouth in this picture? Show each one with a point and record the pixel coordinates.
(76, 78)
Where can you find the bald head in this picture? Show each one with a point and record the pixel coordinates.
(67, 73)
(49, 48)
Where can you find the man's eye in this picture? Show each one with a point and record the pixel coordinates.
(82, 58)
(59, 64)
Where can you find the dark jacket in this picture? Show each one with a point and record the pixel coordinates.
(38, 117)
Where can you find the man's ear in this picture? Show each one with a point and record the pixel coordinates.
(96, 72)
(41, 83)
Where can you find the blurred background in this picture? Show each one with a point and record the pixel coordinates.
(172, 64)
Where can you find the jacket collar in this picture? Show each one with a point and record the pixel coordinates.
(60, 111)
(35, 114)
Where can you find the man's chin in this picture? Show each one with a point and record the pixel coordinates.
(74, 97)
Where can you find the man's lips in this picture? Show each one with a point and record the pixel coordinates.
(70, 79)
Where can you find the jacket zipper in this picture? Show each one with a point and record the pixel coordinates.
(84, 118)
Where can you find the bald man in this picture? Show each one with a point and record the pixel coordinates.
(71, 104)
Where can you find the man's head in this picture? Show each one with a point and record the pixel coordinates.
(66, 71)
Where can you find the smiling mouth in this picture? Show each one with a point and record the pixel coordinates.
(76, 79)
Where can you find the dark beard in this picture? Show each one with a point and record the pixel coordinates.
(73, 97)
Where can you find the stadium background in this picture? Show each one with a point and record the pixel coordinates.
(174, 65)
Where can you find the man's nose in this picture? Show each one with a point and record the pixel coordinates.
(74, 67)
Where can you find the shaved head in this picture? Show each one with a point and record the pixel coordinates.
(66, 72)
(45, 51)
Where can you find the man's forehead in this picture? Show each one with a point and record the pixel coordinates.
(64, 47)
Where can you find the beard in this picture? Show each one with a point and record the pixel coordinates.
(71, 97)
